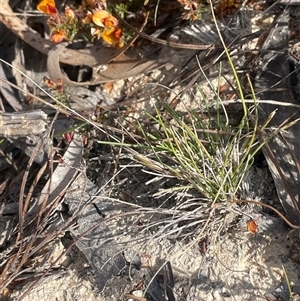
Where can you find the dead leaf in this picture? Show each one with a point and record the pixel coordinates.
(252, 226)
(119, 67)
(109, 86)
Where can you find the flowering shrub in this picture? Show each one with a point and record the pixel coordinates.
(91, 19)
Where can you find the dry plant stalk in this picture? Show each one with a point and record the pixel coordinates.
(35, 231)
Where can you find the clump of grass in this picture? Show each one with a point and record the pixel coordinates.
(203, 150)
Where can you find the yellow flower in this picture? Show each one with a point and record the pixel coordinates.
(113, 37)
(47, 6)
(58, 35)
(103, 18)
(111, 34)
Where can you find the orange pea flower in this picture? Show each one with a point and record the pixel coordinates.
(48, 7)
(58, 35)
(112, 37)
(111, 34)
(103, 18)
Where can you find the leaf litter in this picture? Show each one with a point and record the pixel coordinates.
(155, 252)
